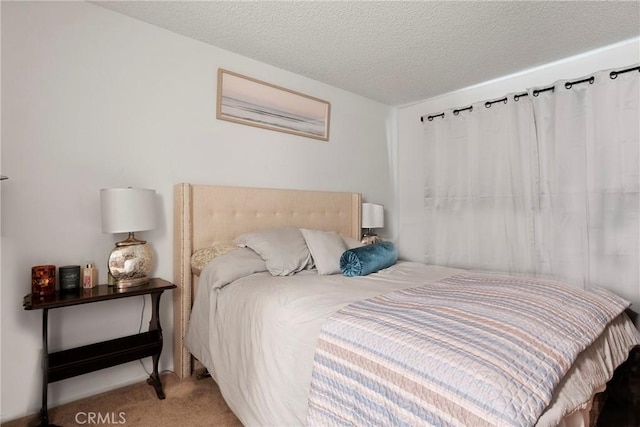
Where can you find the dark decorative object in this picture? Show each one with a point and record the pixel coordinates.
(69, 278)
(43, 280)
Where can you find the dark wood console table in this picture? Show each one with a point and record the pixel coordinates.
(81, 360)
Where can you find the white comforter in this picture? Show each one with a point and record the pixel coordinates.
(256, 335)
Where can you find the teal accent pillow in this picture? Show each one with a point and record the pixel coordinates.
(368, 259)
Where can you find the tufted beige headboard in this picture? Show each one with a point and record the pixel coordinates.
(204, 214)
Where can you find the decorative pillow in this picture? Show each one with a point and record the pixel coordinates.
(368, 259)
(201, 257)
(326, 247)
(283, 249)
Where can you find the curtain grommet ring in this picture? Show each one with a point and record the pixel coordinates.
(457, 111)
(590, 80)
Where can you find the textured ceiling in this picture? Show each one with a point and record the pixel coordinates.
(396, 52)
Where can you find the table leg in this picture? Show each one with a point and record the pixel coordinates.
(44, 411)
(154, 325)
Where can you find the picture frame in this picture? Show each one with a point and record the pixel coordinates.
(253, 102)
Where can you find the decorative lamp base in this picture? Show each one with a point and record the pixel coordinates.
(370, 238)
(129, 283)
(130, 262)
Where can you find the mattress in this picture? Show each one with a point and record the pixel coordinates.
(257, 336)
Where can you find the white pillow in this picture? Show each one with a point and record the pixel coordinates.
(326, 247)
(283, 249)
(352, 243)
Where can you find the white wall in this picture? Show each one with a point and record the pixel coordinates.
(92, 99)
(411, 138)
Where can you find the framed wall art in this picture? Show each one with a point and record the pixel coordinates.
(252, 102)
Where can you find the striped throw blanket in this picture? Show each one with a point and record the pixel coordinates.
(470, 350)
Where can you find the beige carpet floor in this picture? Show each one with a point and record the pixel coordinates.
(189, 402)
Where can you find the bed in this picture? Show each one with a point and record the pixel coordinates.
(266, 339)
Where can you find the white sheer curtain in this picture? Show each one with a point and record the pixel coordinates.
(479, 188)
(546, 185)
(589, 138)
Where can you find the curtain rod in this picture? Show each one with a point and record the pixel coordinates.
(536, 92)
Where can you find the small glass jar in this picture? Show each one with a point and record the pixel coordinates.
(43, 280)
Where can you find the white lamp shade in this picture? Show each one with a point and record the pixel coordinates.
(372, 215)
(126, 210)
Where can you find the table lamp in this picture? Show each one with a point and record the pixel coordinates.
(127, 210)
(372, 217)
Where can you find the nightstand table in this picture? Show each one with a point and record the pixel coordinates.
(81, 360)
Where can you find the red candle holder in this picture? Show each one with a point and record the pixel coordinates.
(43, 280)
